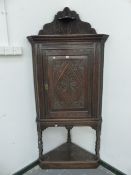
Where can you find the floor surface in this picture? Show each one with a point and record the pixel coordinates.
(99, 171)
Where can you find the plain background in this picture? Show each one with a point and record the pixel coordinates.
(18, 136)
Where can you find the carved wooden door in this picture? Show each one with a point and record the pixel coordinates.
(68, 83)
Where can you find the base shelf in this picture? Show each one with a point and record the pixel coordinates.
(69, 155)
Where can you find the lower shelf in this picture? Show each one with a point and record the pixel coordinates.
(69, 155)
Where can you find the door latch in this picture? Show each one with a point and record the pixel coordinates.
(46, 86)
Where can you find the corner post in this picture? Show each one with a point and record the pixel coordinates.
(69, 134)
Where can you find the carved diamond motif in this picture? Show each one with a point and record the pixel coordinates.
(68, 83)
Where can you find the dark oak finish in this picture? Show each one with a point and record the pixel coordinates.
(67, 22)
(69, 155)
(68, 60)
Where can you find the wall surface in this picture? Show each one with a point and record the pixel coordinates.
(18, 136)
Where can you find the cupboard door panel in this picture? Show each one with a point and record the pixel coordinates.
(68, 83)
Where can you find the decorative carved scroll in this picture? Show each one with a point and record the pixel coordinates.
(67, 22)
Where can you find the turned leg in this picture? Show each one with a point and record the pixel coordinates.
(98, 134)
(40, 142)
(69, 134)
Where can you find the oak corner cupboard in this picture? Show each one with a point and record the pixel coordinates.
(68, 58)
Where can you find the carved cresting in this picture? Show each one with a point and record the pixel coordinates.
(67, 22)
